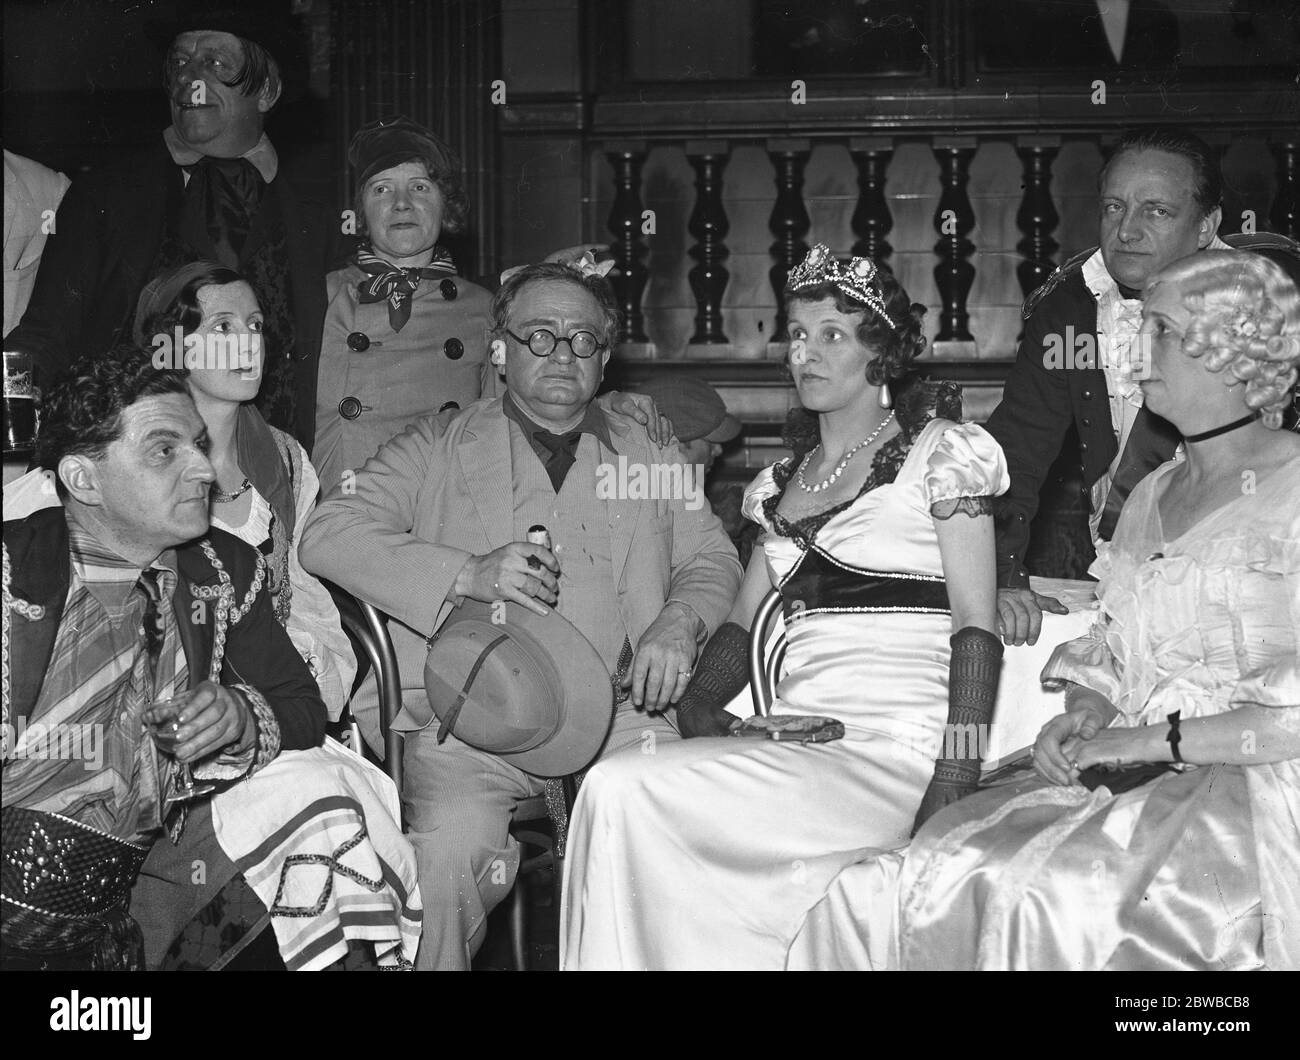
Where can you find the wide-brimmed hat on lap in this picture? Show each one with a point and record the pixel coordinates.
(529, 688)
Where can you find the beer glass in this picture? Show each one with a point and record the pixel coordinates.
(20, 397)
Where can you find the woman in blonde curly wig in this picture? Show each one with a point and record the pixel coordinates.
(1161, 832)
(1245, 320)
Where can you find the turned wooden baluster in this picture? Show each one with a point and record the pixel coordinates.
(789, 222)
(708, 224)
(1287, 200)
(1037, 216)
(871, 218)
(628, 247)
(953, 219)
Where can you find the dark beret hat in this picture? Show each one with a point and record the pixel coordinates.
(389, 142)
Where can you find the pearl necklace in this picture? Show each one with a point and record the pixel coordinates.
(222, 497)
(830, 480)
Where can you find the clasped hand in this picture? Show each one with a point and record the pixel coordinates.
(1079, 739)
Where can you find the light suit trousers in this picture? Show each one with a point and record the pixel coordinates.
(459, 802)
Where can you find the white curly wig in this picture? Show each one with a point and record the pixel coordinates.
(1245, 318)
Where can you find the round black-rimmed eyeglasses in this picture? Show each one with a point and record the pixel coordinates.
(542, 343)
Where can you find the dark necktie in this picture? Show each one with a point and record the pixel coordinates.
(1150, 443)
(154, 632)
(227, 192)
(563, 449)
(173, 816)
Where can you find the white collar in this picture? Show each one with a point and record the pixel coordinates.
(262, 154)
(1098, 280)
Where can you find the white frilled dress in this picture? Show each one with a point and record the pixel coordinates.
(1195, 870)
(708, 853)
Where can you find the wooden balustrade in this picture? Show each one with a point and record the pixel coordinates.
(872, 219)
(1037, 217)
(708, 224)
(954, 219)
(628, 247)
(790, 221)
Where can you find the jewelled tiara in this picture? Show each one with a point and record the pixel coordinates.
(856, 278)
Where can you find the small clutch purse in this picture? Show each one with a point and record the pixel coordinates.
(790, 728)
(1125, 777)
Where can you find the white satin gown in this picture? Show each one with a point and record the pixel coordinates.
(1196, 870)
(709, 853)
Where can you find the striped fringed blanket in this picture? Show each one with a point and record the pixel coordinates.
(317, 837)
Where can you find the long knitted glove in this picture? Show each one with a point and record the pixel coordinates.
(723, 670)
(973, 672)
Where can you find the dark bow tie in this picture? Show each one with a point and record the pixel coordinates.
(564, 454)
(226, 192)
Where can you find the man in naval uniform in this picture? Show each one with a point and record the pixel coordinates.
(1079, 361)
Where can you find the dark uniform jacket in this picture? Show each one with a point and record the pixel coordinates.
(1039, 404)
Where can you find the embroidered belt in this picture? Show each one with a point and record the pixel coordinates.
(819, 583)
(64, 888)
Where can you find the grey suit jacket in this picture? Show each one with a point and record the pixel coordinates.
(440, 492)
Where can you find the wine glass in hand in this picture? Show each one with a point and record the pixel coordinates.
(163, 720)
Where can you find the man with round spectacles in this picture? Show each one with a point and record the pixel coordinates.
(541, 343)
(441, 514)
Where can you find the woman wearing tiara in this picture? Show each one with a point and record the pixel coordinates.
(879, 535)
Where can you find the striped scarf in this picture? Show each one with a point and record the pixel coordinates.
(395, 285)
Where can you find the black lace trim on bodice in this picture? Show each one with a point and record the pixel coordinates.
(885, 466)
(928, 401)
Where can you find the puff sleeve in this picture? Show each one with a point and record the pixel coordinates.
(966, 462)
(763, 486)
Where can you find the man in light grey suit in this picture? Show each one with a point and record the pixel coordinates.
(441, 513)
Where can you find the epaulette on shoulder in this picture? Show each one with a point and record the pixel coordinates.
(1062, 273)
